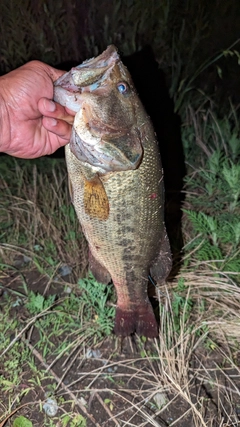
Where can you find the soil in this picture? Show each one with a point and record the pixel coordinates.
(114, 385)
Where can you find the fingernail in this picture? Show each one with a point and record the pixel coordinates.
(50, 105)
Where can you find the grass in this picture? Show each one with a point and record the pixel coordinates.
(36, 31)
(212, 190)
(36, 213)
(55, 328)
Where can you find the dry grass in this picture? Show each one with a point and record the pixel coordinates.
(39, 219)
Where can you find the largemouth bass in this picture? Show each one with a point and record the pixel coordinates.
(116, 185)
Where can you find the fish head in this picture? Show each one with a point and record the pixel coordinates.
(105, 132)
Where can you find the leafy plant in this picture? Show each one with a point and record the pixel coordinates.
(37, 303)
(94, 299)
(22, 421)
(76, 421)
(212, 189)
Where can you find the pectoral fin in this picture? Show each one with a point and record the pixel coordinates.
(96, 203)
(70, 188)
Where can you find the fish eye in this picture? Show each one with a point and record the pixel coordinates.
(122, 87)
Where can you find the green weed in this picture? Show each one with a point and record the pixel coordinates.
(12, 365)
(22, 421)
(212, 190)
(37, 302)
(94, 300)
(182, 307)
(75, 421)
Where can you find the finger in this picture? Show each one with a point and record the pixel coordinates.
(49, 108)
(54, 73)
(58, 127)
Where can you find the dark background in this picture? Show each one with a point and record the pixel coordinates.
(183, 35)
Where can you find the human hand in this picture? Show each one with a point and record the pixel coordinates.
(31, 124)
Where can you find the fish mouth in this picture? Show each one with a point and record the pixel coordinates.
(69, 87)
(105, 141)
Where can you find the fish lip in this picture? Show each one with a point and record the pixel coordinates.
(67, 88)
(107, 58)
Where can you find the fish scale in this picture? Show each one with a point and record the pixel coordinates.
(122, 214)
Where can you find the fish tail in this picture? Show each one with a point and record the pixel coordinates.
(138, 319)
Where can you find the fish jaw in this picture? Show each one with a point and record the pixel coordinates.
(107, 152)
(105, 133)
(68, 87)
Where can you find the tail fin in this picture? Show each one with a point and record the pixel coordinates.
(140, 319)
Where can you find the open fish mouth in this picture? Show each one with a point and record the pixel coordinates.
(105, 134)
